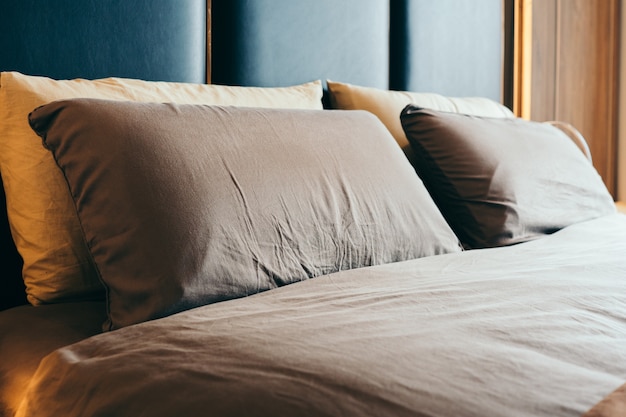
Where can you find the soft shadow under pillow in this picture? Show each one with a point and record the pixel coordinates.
(503, 181)
(185, 205)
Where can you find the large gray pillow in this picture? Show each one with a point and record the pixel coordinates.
(185, 205)
(500, 181)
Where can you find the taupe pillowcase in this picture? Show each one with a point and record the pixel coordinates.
(185, 205)
(503, 181)
(57, 265)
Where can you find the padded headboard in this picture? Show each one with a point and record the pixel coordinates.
(149, 39)
(286, 42)
(452, 47)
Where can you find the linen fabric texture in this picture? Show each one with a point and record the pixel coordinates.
(483, 333)
(44, 226)
(501, 181)
(184, 205)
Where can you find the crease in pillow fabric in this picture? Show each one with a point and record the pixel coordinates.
(185, 205)
(503, 181)
(57, 265)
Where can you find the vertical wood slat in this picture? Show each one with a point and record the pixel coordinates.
(544, 60)
(572, 75)
(586, 87)
(522, 56)
(508, 53)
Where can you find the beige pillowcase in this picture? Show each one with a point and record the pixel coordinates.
(388, 105)
(46, 230)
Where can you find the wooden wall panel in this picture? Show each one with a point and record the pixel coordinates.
(573, 74)
(586, 94)
(544, 59)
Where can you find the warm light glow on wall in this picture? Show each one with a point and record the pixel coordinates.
(621, 128)
(522, 58)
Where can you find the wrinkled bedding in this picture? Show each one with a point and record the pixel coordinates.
(535, 329)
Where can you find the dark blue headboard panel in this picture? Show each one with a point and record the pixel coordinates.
(147, 39)
(286, 42)
(449, 47)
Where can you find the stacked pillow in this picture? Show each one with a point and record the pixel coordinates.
(170, 206)
(497, 179)
(387, 105)
(47, 233)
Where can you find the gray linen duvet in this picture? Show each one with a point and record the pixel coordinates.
(535, 329)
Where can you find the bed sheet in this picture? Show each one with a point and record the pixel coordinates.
(536, 329)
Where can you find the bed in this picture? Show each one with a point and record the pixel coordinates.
(341, 224)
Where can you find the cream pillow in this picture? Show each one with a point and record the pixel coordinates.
(44, 225)
(388, 105)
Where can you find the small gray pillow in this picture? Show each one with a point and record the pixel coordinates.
(185, 205)
(503, 181)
